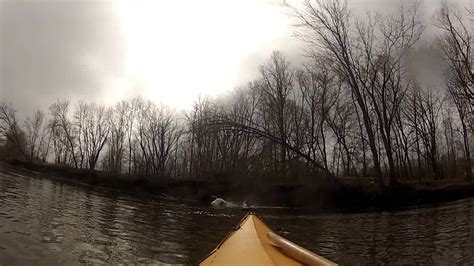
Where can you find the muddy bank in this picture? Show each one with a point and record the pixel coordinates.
(369, 195)
(344, 194)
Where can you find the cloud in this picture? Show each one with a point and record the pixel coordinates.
(58, 49)
(166, 50)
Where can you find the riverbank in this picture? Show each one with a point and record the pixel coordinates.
(195, 190)
(369, 195)
(347, 193)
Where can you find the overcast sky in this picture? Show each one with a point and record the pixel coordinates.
(168, 51)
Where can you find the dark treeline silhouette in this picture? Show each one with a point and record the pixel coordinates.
(357, 107)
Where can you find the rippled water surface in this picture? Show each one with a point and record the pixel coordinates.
(45, 221)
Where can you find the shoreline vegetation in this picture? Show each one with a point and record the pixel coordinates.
(370, 99)
(351, 194)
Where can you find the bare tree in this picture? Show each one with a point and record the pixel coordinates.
(117, 124)
(426, 108)
(34, 137)
(95, 132)
(319, 93)
(456, 46)
(464, 111)
(275, 89)
(10, 130)
(79, 120)
(63, 131)
(367, 57)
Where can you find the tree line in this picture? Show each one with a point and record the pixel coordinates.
(358, 107)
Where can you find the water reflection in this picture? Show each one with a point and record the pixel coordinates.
(434, 235)
(43, 220)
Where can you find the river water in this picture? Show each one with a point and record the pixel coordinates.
(46, 221)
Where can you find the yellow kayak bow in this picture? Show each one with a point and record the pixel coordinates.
(253, 243)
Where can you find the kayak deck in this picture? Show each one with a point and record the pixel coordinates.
(253, 243)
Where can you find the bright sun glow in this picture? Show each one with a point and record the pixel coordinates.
(181, 49)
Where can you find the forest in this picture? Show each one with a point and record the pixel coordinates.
(373, 100)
